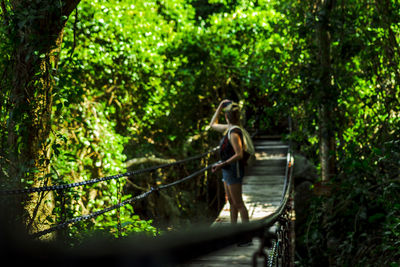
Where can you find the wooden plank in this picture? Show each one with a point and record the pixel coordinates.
(268, 142)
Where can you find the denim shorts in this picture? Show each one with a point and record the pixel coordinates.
(232, 175)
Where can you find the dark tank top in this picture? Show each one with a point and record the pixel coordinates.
(227, 151)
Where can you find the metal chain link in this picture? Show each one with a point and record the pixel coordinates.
(274, 254)
(119, 228)
(283, 238)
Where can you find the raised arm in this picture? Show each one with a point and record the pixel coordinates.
(214, 121)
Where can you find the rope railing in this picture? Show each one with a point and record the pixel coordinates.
(103, 179)
(119, 205)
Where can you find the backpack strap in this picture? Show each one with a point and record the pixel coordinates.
(244, 143)
(246, 139)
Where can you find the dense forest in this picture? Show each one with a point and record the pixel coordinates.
(97, 88)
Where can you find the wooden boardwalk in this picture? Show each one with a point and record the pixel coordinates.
(262, 192)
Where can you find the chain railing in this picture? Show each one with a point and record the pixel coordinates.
(103, 179)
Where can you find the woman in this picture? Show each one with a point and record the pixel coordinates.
(232, 165)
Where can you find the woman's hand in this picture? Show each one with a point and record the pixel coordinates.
(214, 120)
(224, 101)
(216, 167)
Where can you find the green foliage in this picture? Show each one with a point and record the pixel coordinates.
(351, 227)
(359, 223)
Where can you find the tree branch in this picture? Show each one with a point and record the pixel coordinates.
(136, 186)
(69, 7)
(151, 159)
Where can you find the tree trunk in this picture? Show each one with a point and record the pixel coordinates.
(37, 30)
(327, 106)
(327, 97)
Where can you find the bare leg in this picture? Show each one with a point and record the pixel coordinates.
(233, 210)
(236, 195)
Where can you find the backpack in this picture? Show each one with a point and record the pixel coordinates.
(249, 150)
